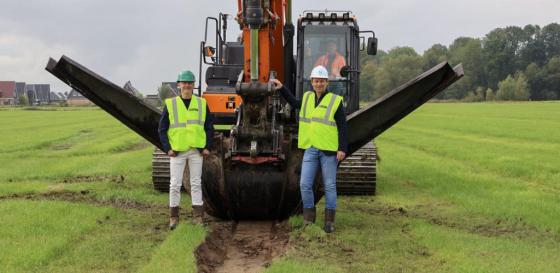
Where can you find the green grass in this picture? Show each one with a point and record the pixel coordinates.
(55, 236)
(29, 241)
(176, 253)
(59, 144)
(473, 164)
(461, 188)
(85, 153)
(478, 253)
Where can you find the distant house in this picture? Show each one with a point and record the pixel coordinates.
(173, 86)
(56, 98)
(7, 92)
(62, 95)
(153, 100)
(131, 89)
(20, 91)
(38, 93)
(76, 99)
(11, 92)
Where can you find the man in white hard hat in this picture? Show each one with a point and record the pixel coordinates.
(323, 133)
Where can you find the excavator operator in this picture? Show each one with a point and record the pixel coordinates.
(332, 60)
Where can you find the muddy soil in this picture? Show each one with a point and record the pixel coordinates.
(516, 228)
(132, 147)
(246, 246)
(86, 196)
(93, 178)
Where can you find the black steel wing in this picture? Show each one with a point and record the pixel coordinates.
(378, 116)
(132, 111)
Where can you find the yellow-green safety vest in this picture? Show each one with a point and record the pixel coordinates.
(317, 126)
(186, 126)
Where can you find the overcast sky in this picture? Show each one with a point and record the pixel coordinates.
(148, 42)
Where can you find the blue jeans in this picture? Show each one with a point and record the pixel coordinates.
(312, 160)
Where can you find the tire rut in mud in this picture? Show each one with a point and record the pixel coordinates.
(245, 246)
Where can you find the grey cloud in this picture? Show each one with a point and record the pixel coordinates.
(150, 41)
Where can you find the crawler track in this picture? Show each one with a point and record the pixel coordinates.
(356, 174)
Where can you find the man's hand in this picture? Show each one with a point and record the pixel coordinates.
(205, 152)
(340, 155)
(276, 84)
(171, 153)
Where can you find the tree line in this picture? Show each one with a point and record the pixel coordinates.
(510, 63)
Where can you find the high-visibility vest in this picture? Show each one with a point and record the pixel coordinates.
(186, 126)
(317, 126)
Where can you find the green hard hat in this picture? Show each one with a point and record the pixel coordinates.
(185, 76)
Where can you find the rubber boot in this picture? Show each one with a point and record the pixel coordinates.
(198, 215)
(309, 216)
(173, 217)
(329, 220)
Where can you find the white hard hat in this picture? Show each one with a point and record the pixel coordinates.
(319, 72)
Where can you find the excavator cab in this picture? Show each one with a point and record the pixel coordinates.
(223, 62)
(331, 39)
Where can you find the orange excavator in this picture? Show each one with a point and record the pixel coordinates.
(253, 173)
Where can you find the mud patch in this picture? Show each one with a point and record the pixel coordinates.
(38, 109)
(247, 246)
(60, 146)
(93, 178)
(86, 196)
(131, 147)
(478, 225)
(67, 143)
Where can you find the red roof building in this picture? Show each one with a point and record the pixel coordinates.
(7, 92)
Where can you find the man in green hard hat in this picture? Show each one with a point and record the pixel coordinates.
(186, 131)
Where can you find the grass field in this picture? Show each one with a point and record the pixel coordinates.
(461, 188)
